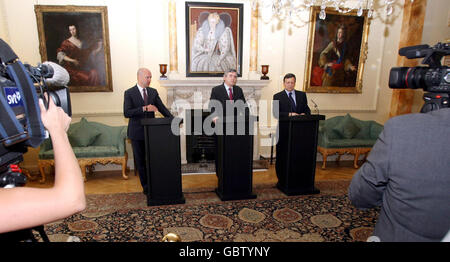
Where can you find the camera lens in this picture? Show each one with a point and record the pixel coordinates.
(397, 77)
(416, 76)
(407, 77)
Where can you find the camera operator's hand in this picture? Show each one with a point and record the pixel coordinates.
(54, 117)
(26, 207)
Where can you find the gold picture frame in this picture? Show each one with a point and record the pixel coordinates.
(337, 51)
(85, 54)
(205, 58)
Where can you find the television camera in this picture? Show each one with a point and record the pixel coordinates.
(434, 79)
(20, 122)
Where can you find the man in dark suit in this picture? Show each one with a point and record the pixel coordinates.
(222, 95)
(141, 101)
(228, 91)
(291, 103)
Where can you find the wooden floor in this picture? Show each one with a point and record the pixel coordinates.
(109, 182)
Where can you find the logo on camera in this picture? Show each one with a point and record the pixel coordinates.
(13, 96)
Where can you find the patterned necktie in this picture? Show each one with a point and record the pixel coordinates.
(231, 93)
(145, 96)
(292, 102)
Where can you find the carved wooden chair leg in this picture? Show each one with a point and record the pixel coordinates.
(83, 171)
(355, 161)
(338, 158)
(324, 164)
(124, 169)
(124, 166)
(42, 172)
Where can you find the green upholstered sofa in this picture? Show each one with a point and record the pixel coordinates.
(347, 135)
(93, 143)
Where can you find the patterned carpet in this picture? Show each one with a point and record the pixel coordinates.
(273, 216)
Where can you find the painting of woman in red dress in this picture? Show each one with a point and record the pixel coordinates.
(75, 58)
(77, 38)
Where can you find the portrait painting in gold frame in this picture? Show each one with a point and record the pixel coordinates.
(337, 50)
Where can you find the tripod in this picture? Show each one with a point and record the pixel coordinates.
(25, 235)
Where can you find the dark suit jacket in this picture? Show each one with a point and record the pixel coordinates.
(285, 103)
(132, 109)
(220, 94)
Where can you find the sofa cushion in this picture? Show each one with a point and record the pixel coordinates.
(83, 134)
(346, 128)
(96, 151)
(86, 152)
(328, 127)
(375, 130)
(364, 128)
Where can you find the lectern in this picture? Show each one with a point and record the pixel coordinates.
(296, 154)
(163, 161)
(234, 158)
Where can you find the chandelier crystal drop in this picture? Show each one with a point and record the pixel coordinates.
(293, 10)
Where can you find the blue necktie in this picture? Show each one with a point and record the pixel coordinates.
(292, 103)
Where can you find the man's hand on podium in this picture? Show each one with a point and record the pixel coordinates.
(296, 114)
(150, 108)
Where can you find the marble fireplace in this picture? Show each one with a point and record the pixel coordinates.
(183, 95)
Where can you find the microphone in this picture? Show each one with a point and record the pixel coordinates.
(56, 75)
(315, 106)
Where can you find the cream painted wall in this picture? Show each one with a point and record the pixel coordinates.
(138, 34)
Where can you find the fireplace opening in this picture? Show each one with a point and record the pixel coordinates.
(200, 148)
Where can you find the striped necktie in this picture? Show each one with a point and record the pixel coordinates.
(293, 107)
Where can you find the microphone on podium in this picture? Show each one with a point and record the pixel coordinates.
(315, 106)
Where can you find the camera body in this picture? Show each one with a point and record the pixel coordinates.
(20, 123)
(434, 79)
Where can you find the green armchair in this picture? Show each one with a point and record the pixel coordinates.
(347, 135)
(92, 143)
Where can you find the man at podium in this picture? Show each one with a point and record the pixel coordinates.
(228, 91)
(234, 140)
(291, 102)
(141, 101)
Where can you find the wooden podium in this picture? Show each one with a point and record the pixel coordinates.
(162, 151)
(234, 158)
(296, 154)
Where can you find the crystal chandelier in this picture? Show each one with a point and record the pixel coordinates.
(294, 9)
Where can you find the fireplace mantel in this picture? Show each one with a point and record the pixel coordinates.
(211, 83)
(191, 89)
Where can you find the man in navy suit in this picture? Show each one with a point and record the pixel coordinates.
(291, 103)
(141, 101)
